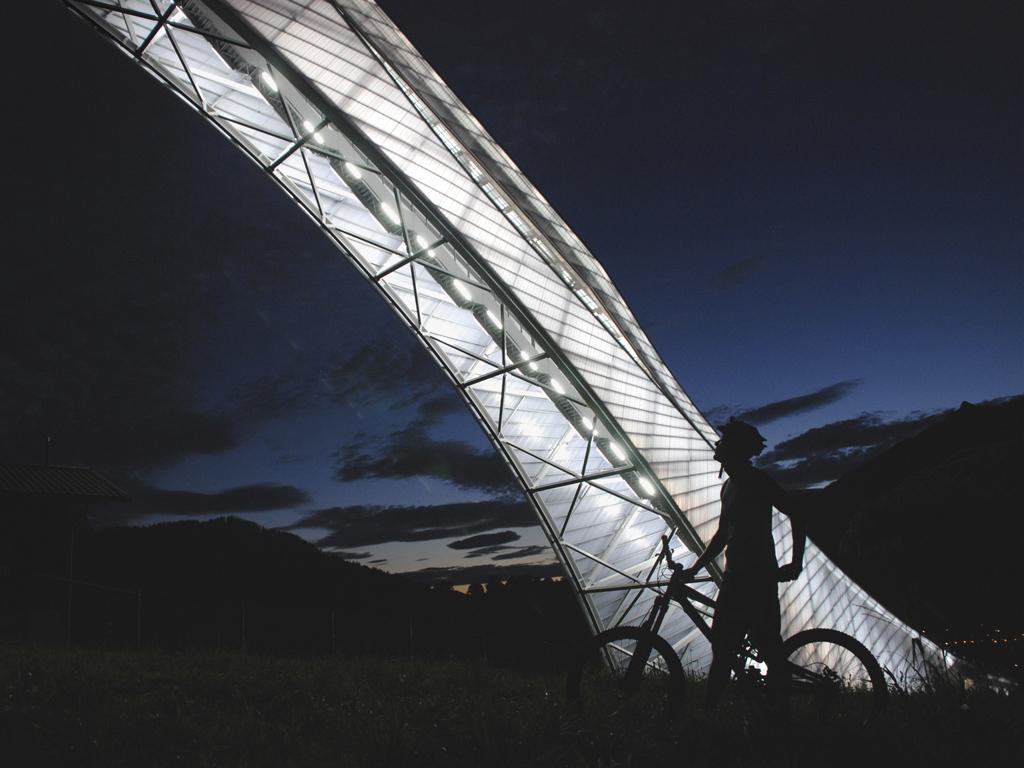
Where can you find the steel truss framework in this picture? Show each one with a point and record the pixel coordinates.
(339, 109)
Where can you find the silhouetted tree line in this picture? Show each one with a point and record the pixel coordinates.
(232, 584)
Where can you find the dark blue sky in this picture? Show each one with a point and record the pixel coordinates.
(800, 203)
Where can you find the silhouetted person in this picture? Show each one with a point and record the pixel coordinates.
(748, 601)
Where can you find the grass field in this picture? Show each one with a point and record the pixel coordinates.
(93, 708)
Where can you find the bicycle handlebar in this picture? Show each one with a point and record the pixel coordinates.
(667, 552)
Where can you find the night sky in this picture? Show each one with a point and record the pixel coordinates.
(815, 213)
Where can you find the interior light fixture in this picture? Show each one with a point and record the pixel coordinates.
(309, 128)
(647, 485)
(557, 386)
(617, 451)
(588, 424)
(354, 172)
(421, 241)
(390, 212)
(524, 357)
(463, 291)
(494, 319)
(268, 80)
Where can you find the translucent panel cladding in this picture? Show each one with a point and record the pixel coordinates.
(663, 424)
(528, 402)
(382, 110)
(309, 36)
(457, 119)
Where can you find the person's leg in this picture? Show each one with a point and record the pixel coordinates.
(766, 634)
(727, 631)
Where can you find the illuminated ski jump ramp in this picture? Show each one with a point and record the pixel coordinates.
(336, 105)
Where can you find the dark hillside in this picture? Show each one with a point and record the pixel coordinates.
(233, 585)
(933, 527)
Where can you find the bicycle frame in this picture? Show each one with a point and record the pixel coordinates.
(812, 677)
(683, 594)
(678, 590)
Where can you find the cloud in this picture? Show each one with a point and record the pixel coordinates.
(411, 452)
(719, 414)
(765, 414)
(737, 272)
(260, 497)
(382, 369)
(484, 551)
(483, 573)
(864, 431)
(364, 526)
(825, 453)
(485, 540)
(269, 397)
(340, 553)
(531, 551)
(107, 329)
(431, 410)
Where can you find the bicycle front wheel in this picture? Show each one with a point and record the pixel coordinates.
(833, 676)
(625, 664)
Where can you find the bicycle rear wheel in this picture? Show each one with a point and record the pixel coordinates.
(833, 676)
(625, 666)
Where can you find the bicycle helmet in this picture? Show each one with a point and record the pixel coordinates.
(743, 437)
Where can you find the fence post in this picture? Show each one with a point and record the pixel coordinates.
(71, 577)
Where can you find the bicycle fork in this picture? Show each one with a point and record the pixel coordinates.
(642, 652)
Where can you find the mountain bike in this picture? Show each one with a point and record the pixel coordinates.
(831, 674)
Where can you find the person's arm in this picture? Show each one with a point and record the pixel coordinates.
(714, 547)
(788, 505)
(713, 550)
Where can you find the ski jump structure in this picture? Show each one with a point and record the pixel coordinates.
(335, 104)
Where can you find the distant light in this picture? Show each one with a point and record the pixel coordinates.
(390, 212)
(463, 291)
(494, 319)
(647, 485)
(268, 80)
(617, 451)
(354, 172)
(557, 386)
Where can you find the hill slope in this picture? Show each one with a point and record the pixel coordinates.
(933, 526)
